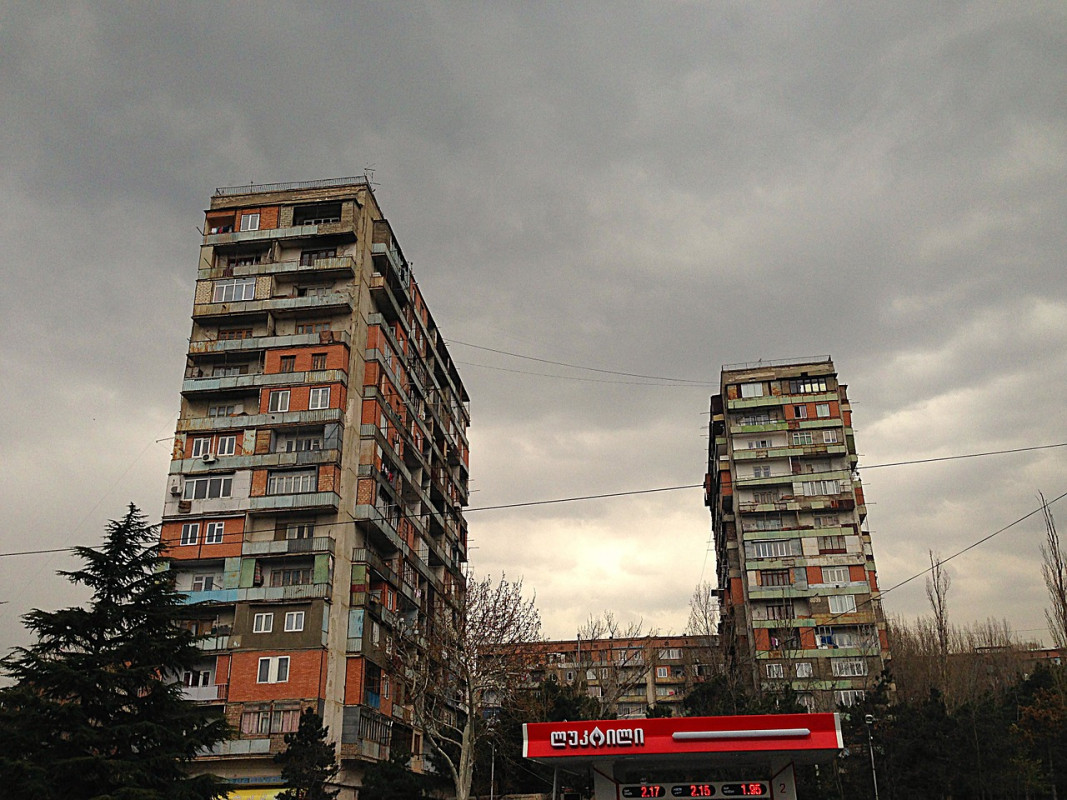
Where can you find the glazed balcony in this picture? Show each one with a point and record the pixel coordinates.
(301, 501)
(331, 302)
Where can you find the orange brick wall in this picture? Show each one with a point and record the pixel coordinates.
(187, 451)
(298, 397)
(336, 357)
(232, 536)
(354, 681)
(857, 573)
(306, 676)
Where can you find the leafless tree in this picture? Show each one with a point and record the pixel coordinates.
(937, 586)
(619, 656)
(467, 660)
(1054, 569)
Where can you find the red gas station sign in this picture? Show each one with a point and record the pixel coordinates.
(679, 735)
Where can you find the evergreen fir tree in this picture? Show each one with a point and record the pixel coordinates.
(308, 762)
(96, 709)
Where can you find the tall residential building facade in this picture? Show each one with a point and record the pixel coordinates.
(797, 581)
(319, 474)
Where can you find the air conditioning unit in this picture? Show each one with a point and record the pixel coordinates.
(176, 489)
(210, 458)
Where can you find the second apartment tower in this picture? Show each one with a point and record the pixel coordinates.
(319, 472)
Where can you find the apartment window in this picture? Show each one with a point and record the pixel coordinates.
(662, 672)
(267, 722)
(775, 671)
(234, 290)
(208, 488)
(274, 669)
(835, 575)
(288, 364)
(804, 669)
(849, 667)
(228, 334)
(250, 222)
(227, 445)
(761, 472)
(318, 214)
(758, 418)
(190, 533)
(800, 412)
(863, 636)
(312, 327)
(849, 697)
(752, 390)
(309, 257)
(780, 610)
(229, 370)
(294, 621)
(279, 401)
(814, 488)
(776, 577)
(827, 521)
(299, 442)
(290, 577)
(822, 410)
(214, 533)
(263, 623)
(807, 386)
(758, 444)
(201, 447)
(319, 398)
(774, 548)
(831, 544)
(824, 636)
(300, 530)
(829, 437)
(203, 583)
(243, 259)
(802, 437)
(763, 524)
(318, 290)
(221, 411)
(196, 677)
(318, 361)
(292, 482)
(842, 603)
(765, 497)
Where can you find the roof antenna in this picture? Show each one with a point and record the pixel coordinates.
(368, 174)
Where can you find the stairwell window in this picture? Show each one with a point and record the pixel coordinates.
(234, 290)
(279, 401)
(274, 669)
(319, 397)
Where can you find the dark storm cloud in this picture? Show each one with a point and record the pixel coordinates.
(653, 189)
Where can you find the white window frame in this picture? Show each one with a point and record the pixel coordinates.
(761, 471)
(319, 397)
(273, 669)
(190, 534)
(835, 575)
(802, 438)
(775, 670)
(804, 669)
(299, 482)
(751, 390)
(234, 290)
(250, 222)
(849, 667)
(848, 697)
(202, 580)
(214, 487)
(294, 621)
(842, 603)
(830, 436)
(227, 446)
(662, 672)
(278, 402)
(800, 412)
(201, 446)
(772, 548)
(822, 410)
(263, 623)
(214, 533)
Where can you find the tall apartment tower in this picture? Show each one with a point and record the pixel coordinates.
(318, 476)
(798, 588)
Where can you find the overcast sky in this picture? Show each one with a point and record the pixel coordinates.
(655, 189)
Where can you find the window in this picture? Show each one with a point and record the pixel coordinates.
(300, 444)
(780, 610)
(208, 488)
(319, 397)
(318, 290)
(812, 488)
(672, 653)
(829, 437)
(849, 667)
(234, 290)
(752, 390)
(662, 672)
(824, 636)
(229, 370)
(822, 410)
(201, 447)
(279, 401)
(294, 621)
(804, 669)
(832, 544)
(250, 222)
(835, 575)
(235, 333)
(288, 364)
(214, 533)
(190, 533)
(763, 524)
(273, 670)
(196, 677)
(312, 327)
(300, 530)
(318, 361)
(758, 444)
(309, 257)
(761, 472)
(776, 577)
(800, 412)
(263, 623)
(221, 411)
(758, 418)
(807, 386)
(227, 445)
(863, 636)
(266, 722)
(244, 259)
(849, 697)
(292, 482)
(842, 603)
(203, 583)
(802, 437)
(317, 214)
(765, 497)
(775, 671)
(774, 548)
(827, 521)
(290, 577)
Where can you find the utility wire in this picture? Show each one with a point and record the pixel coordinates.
(575, 377)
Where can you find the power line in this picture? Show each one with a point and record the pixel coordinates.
(574, 377)
(965, 455)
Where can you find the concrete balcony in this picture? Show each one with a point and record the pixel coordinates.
(247, 421)
(305, 591)
(331, 302)
(304, 501)
(211, 596)
(238, 747)
(780, 400)
(338, 265)
(304, 458)
(241, 384)
(202, 694)
(320, 544)
(256, 343)
(267, 235)
(210, 644)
